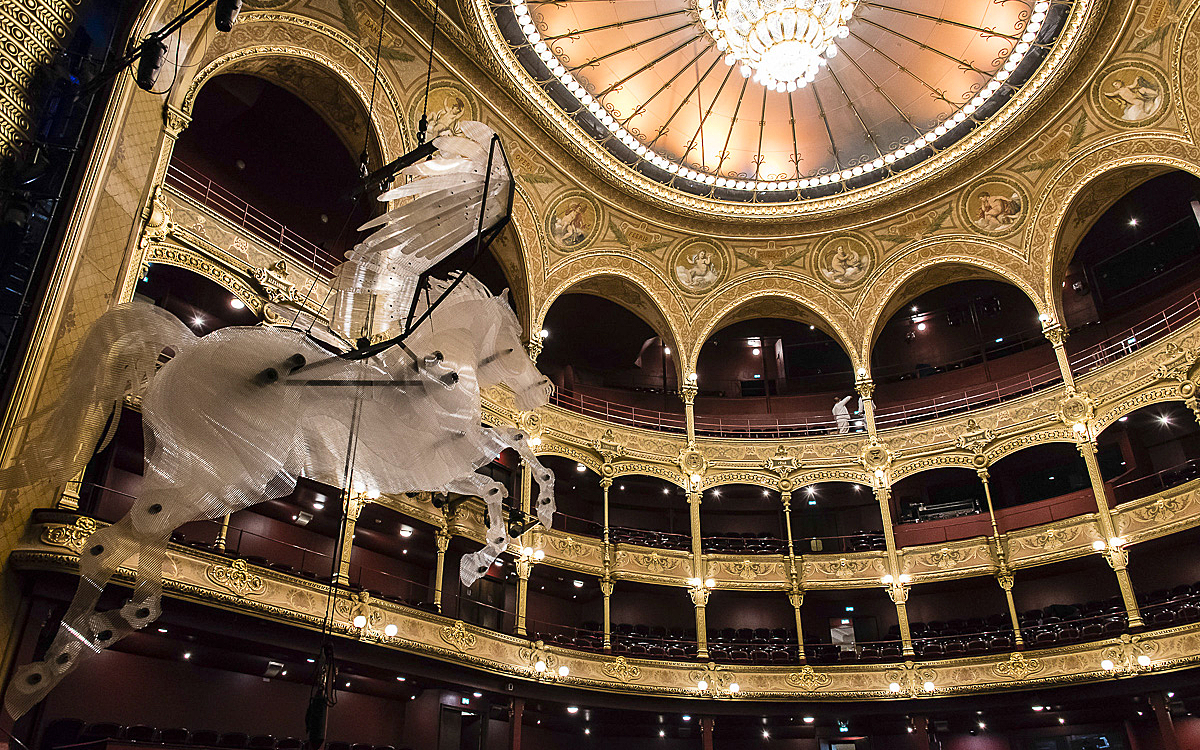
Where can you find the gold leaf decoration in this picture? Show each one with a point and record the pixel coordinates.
(1018, 667)
(71, 537)
(458, 636)
(237, 578)
(808, 679)
(620, 669)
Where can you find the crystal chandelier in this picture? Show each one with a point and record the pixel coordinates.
(782, 43)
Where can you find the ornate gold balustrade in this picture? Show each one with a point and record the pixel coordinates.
(1151, 517)
(52, 543)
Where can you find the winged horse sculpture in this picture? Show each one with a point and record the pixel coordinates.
(235, 417)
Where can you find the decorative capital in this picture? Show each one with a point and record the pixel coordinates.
(1055, 333)
(865, 388)
(534, 347)
(174, 121)
(1076, 411)
(606, 586)
(443, 540)
(354, 506)
(524, 567)
(1004, 577)
(699, 595)
(687, 391)
(796, 597)
(608, 447)
(692, 461)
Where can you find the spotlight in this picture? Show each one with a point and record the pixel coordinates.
(809, 719)
(237, 304)
(920, 326)
(226, 13)
(406, 531)
(580, 467)
(150, 61)
(572, 709)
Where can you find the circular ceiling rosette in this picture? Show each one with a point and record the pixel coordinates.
(656, 85)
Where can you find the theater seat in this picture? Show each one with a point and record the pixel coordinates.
(176, 736)
(102, 731)
(262, 742)
(235, 740)
(141, 733)
(62, 732)
(206, 737)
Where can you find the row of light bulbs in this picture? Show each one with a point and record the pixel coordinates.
(529, 28)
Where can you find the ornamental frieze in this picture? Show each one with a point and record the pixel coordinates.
(1018, 667)
(237, 578)
(459, 637)
(808, 679)
(70, 537)
(621, 670)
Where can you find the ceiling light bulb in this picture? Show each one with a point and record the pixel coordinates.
(709, 583)
(563, 671)
(539, 666)
(1107, 665)
(1098, 545)
(360, 621)
(894, 687)
(539, 554)
(809, 719)
(702, 685)
(928, 686)
(1143, 660)
(237, 304)
(390, 630)
(734, 687)
(572, 709)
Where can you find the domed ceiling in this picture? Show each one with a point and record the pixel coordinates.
(710, 98)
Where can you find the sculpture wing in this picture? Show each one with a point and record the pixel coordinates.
(439, 210)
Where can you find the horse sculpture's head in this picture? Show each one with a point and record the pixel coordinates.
(505, 361)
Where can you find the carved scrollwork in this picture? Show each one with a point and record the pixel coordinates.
(1162, 509)
(808, 679)
(237, 578)
(272, 282)
(843, 567)
(71, 537)
(748, 569)
(1018, 667)
(656, 563)
(459, 637)
(571, 548)
(620, 669)
(946, 558)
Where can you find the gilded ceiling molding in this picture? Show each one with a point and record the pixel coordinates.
(260, 34)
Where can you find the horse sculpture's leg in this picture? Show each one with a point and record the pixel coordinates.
(518, 440)
(475, 564)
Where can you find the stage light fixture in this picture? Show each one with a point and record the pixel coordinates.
(150, 61)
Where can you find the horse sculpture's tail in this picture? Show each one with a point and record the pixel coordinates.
(117, 358)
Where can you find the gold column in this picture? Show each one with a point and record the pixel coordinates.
(1058, 337)
(699, 593)
(1004, 575)
(866, 389)
(69, 499)
(443, 543)
(606, 588)
(222, 534)
(1113, 546)
(524, 562)
(606, 581)
(524, 568)
(895, 581)
(354, 506)
(795, 591)
(687, 391)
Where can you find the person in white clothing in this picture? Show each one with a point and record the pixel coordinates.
(842, 415)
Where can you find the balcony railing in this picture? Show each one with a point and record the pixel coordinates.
(209, 194)
(1154, 328)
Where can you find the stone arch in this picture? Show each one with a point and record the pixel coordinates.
(629, 291)
(930, 271)
(1109, 171)
(827, 312)
(250, 48)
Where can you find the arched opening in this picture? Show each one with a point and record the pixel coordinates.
(1155, 448)
(770, 365)
(952, 341)
(605, 341)
(279, 161)
(959, 617)
(1134, 275)
(577, 496)
(1044, 483)
(1068, 601)
(203, 304)
(650, 512)
(850, 626)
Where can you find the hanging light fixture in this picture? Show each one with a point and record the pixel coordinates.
(782, 43)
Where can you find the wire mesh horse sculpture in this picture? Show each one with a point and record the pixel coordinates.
(235, 417)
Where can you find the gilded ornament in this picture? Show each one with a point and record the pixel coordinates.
(698, 265)
(748, 569)
(1018, 667)
(1163, 509)
(620, 669)
(994, 206)
(569, 547)
(656, 563)
(71, 537)
(1130, 93)
(1076, 408)
(946, 558)
(843, 261)
(808, 679)
(875, 455)
(691, 461)
(572, 221)
(459, 637)
(237, 578)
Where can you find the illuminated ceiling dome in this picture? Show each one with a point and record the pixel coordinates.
(780, 101)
